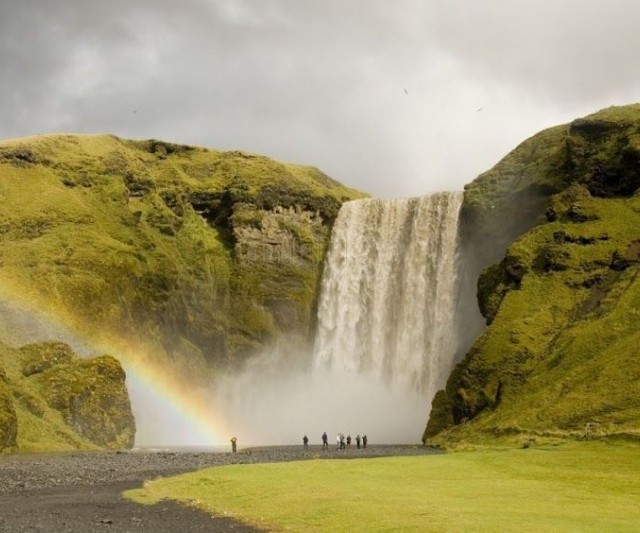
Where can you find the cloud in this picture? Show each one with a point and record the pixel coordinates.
(558, 50)
(382, 96)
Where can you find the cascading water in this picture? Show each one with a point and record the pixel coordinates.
(385, 339)
(388, 295)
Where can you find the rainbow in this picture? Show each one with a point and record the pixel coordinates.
(182, 413)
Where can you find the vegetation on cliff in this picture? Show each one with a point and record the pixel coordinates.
(211, 255)
(559, 356)
(51, 399)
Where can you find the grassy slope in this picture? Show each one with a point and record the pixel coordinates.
(126, 237)
(560, 352)
(587, 487)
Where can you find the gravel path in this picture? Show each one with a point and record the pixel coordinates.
(80, 491)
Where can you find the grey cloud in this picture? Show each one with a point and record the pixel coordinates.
(321, 83)
(567, 50)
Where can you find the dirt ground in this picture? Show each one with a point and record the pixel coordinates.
(81, 491)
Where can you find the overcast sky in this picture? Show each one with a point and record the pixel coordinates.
(398, 98)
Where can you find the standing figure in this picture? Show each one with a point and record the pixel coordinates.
(234, 449)
(348, 441)
(358, 441)
(364, 441)
(325, 441)
(338, 441)
(305, 441)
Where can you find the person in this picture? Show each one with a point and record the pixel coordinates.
(358, 441)
(364, 441)
(348, 441)
(342, 445)
(325, 441)
(305, 441)
(338, 442)
(234, 449)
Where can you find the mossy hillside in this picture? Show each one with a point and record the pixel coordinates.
(213, 255)
(561, 352)
(8, 420)
(599, 152)
(63, 402)
(558, 357)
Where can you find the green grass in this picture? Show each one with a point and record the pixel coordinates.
(573, 487)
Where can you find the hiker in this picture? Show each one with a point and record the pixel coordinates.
(348, 441)
(342, 445)
(325, 441)
(234, 449)
(358, 441)
(305, 441)
(338, 441)
(364, 441)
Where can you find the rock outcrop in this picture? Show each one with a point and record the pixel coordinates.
(51, 399)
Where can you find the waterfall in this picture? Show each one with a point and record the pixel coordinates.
(385, 337)
(389, 291)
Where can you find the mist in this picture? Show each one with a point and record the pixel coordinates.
(22, 324)
(267, 403)
(160, 420)
(272, 400)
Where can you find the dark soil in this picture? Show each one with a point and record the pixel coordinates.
(81, 491)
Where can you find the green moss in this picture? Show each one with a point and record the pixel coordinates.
(8, 420)
(51, 400)
(146, 238)
(558, 356)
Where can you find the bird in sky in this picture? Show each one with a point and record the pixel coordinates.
(405, 91)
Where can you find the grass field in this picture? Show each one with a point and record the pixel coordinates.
(569, 487)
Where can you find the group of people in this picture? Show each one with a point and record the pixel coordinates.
(342, 442)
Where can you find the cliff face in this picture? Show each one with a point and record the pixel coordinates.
(50, 399)
(208, 256)
(558, 356)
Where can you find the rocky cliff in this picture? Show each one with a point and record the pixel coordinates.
(51, 399)
(552, 233)
(207, 256)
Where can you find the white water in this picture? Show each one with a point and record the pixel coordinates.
(388, 295)
(385, 338)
